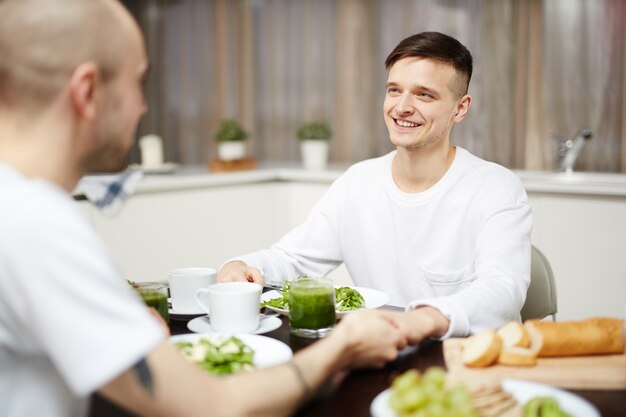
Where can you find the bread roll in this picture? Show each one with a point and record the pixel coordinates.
(594, 336)
(482, 349)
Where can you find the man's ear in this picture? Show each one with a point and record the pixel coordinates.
(83, 85)
(462, 107)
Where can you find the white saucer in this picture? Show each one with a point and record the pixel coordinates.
(180, 315)
(177, 313)
(202, 325)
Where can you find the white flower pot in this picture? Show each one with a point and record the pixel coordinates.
(314, 153)
(228, 151)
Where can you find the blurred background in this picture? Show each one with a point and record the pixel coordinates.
(544, 69)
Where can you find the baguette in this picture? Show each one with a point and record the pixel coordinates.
(594, 336)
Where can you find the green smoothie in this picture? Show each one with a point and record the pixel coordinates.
(311, 305)
(158, 300)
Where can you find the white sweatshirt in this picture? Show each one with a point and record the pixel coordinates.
(462, 246)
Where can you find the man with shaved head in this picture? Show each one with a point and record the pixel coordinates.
(70, 98)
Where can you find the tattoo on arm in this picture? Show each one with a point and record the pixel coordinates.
(142, 370)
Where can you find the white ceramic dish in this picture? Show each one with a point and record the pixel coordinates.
(267, 351)
(373, 299)
(266, 324)
(521, 390)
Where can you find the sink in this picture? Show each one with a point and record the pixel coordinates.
(598, 183)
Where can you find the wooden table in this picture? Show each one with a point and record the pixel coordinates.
(352, 397)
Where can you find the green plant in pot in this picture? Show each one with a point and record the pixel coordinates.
(314, 138)
(231, 140)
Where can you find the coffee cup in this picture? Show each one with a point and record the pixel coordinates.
(233, 307)
(184, 282)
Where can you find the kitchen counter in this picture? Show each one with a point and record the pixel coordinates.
(194, 177)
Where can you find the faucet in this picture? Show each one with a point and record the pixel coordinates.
(569, 150)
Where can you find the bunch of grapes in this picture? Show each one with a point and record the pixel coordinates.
(416, 395)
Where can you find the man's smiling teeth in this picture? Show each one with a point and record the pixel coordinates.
(404, 123)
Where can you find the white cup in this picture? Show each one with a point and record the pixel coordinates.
(184, 282)
(151, 147)
(233, 307)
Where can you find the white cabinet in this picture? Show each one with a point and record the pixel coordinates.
(158, 231)
(584, 238)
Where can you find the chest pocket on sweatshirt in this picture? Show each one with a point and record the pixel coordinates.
(447, 283)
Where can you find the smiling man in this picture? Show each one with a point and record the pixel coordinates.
(444, 233)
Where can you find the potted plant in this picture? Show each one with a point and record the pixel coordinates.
(314, 138)
(231, 141)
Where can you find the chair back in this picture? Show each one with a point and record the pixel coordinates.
(541, 296)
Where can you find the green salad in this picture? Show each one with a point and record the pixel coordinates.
(346, 299)
(220, 357)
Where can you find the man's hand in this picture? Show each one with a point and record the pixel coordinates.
(371, 338)
(421, 323)
(240, 271)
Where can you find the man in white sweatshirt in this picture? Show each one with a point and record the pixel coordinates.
(442, 232)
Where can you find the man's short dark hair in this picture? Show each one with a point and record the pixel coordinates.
(439, 47)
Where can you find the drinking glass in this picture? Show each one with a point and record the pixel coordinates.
(312, 307)
(154, 294)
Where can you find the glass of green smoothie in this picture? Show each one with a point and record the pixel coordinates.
(311, 307)
(154, 294)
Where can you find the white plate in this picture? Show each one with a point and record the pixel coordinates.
(373, 299)
(267, 324)
(521, 390)
(267, 351)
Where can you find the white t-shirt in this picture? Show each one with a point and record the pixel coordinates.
(462, 246)
(68, 323)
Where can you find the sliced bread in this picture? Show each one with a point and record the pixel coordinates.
(517, 356)
(482, 349)
(513, 334)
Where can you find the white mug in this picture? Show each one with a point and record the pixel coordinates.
(184, 282)
(233, 307)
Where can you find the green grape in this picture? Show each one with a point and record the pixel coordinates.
(408, 379)
(414, 399)
(543, 407)
(458, 396)
(434, 394)
(436, 410)
(435, 376)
